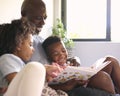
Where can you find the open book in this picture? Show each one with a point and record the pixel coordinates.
(80, 73)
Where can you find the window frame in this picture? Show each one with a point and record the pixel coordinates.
(108, 21)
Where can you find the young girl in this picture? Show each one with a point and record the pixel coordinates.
(57, 53)
(16, 47)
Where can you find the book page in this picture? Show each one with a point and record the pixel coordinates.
(100, 64)
(80, 73)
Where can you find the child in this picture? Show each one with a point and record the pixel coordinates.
(16, 47)
(57, 53)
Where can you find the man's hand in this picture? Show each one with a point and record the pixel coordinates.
(71, 84)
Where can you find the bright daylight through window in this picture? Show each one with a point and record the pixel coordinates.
(93, 19)
(86, 19)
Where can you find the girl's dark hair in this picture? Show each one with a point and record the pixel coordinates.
(12, 34)
(49, 41)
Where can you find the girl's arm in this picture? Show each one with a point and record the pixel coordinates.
(10, 76)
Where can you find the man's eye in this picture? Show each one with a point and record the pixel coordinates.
(41, 18)
(38, 18)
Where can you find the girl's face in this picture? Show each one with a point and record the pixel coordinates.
(57, 53)
(25, 50)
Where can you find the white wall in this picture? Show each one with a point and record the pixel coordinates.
(10, 10)
(89, 52)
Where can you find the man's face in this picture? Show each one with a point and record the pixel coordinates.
(37, 16)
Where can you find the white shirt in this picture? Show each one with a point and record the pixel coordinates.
(39, 54)
(9, 63)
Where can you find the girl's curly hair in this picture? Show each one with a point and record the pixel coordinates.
(12, 34)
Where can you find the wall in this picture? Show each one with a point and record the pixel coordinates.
(10, 10)
(89, 52)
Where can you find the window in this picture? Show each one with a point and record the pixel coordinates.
(87, 20)
(115, 20)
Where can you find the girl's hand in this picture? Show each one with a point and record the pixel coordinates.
(52, 71)
(3, 90)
